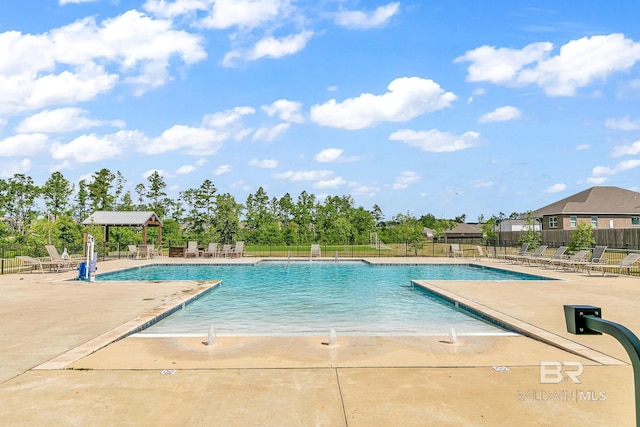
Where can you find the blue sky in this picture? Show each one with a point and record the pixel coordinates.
(442, 107)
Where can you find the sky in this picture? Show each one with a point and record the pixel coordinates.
(442, 107)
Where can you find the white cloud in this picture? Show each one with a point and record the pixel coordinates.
(556, 188)
(183, 170)
(622, 124)
(583, 147)
(227, 118)
(92, 148)
(246, 14)
(355, 19)
(288, 111)
(324, 184)
(222, 169)
(9, 169)
(270, 133)
(264, 164)
(68, 64)
(196, 141)
(601, 172)
(405, 179)
(626, 150)
(329, 155)
(436, 141)
(297, 176)
(579, 63)
(23, 145)
(271, 47)
(501, 114)
(150, 172)
(408, 97)
(60, 120)
(170, 10)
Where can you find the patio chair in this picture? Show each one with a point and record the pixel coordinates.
(597, 257)
(211, 251)
(529, 258)
(64, 262)
(192, 250)
(625, 262)
(558, 254)
(315, 250)
(523, 250)
(237, 250)
(454, 250)
(482, 253)
(226, 250)
(572, 261)
(133, 251)
(37, 263)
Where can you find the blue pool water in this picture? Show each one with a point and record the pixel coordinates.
(303, 298)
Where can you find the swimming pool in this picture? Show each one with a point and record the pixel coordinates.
(307, 298)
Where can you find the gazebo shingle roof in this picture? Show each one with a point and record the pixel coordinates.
(122, 218)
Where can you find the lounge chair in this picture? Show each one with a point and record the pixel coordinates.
(39, 264)
(226, 250)
(237, 250)
(523, 251)
(211, 251)
(572, 261)
(558, 254)
(454, 250)
(625, 262)
(133, 251)
(192, 250)
(597, 257)
(64, 262)
(533, 256)
(315, 250)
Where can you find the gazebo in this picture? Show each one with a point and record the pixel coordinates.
(142, 219)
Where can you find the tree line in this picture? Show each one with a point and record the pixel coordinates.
(53, 211)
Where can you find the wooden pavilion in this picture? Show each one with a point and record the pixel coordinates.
(142, 219)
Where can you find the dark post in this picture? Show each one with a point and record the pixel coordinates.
(587, 320)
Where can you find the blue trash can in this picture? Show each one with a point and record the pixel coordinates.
(82, 270)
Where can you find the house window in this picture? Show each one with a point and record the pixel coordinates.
(594, 221)
(574, 221)
(553, 222)
(635, 220)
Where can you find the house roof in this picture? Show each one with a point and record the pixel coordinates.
(464, 228)
(123, 218)
(595, 200)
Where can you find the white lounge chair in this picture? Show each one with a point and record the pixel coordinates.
(315, 250)
(557, 255)
(625, 262)
(572, 261)
(532, 257)
(482, 253)
(192, 250)
(39, 264)
(226, 250)
(133, 251)
(64, 262)
(597, 257)
(211, 251)
(454, 250)
(523, 251)
(237, 250)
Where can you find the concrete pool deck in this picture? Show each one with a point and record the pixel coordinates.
(48, 377)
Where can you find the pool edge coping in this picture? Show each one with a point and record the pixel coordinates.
(519, 326)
